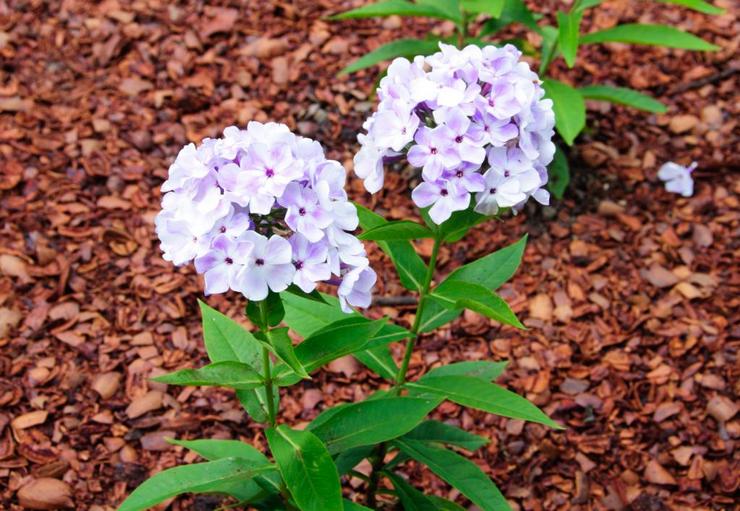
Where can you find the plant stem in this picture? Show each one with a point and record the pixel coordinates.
(379, 458)
(269, 394)
(401, 376)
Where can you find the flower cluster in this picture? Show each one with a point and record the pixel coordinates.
(261, 209)
(474, 120)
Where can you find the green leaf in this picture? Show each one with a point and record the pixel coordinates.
(457, 226)
(444, 504)
(559, 174)
(397, 231)
(307, 317)
(461, 473)
(569, 25)
(549, 47)
(481, 369)
(271, 307)
(307, 469)
(456, 295)
(411, 498)
(653, 35)
(227, 340)
(490, 271)
(235, 375)
(338, 339)
(379, 360)
(195, 478)
(408, 48)
(217, 449)
(491, 7)
(582, 5)
(494, 269)
(352, 506)
(514, 11)
(623, 96)
(409, 265)
(283, 348)
(697, 5)
(313, 295)
(450, 8)
(435, 431)
(481, 395)
(372, 422)
(569, 107)
(399, 8)
(347, 460)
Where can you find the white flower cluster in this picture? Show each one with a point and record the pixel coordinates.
(260, 209)
(474, 120)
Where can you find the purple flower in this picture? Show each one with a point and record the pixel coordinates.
(356, 288)
(499, 191)
(433, 151)
(467, 142)
(677, 178)
(395, 127)
(466, 177)
(310, 262)
(369, 163)
(304, 214)
(445, 197)
(225, 195)
(221, 264)
(268, 171)
(269, 266)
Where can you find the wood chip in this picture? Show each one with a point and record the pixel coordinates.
(45, 493)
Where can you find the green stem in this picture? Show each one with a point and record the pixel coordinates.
(401, 376)
(379, 458)
(269, 394)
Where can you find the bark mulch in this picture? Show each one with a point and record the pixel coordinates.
(630, 293)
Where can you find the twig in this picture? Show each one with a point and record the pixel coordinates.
(395, 300)
(701, 82)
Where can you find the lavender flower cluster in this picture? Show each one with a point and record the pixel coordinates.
(474, 120)
(261, 209)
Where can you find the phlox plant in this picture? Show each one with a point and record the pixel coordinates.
(480, 22)
(262, 212)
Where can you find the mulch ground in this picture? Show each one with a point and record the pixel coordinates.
(630, 293)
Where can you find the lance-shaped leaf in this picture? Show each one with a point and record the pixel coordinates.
(623, 96)
(235, 375)
(379, 360)
(400, 230)
(490, 7)
(338, 339)
(569, 107)
(245, 491)
(481, 395)
(435, 431)
(195, 478)
(282, 346)
(696, 5)
(652, 35)
(490, 272)
(559, 174)
(411, 498)
(227, 340)
(409, 265)
(384, 8)
(444, 504)
(458, 225)
(482, 369)
(353, 506)
(307, 469)
(457, 295)
(408, 48)
(372, 422)
(568, 26)
(306, 317)
(460, 472)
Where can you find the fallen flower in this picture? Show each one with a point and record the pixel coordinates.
(677, 178)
